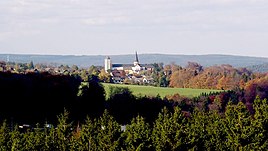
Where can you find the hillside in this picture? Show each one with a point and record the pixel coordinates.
(259, 67)
(98, 60)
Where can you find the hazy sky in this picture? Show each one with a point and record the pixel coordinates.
(105, 27)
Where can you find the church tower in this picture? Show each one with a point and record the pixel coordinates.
(107, 64)
(136, 62)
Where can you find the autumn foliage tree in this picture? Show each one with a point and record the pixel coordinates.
(223, 77)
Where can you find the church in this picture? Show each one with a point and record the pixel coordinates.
(120, 72)
(134, 68)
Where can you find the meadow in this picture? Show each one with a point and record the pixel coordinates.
(139, 90)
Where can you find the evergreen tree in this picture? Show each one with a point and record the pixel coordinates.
(63, 131)
(260, 125)
(14, 143)
(109, 132)
(4, 136)
(196, 130)
(137, 135)
(239, 132)
(215, 132)
(89, 133)
(168, 131)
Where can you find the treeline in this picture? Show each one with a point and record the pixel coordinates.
(35, 97)
(223, 77)
(230, 120)
(217, 101)
(236, 129)
(193, 75)
(39, 97)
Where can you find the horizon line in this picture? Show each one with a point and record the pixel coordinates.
(78, 55)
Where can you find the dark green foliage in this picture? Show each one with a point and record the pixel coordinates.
(108, 133)
(237, 129)
(4, 136)
(88, 134)
(169, 131)
(33, 140)
(115, 91)
(260, 123)
(14, 142)
(137, 135)
(124, 106)
(63, 132)
(215, 133)
(234, 125)
(121, 104)
(90, 99)
(34, 98)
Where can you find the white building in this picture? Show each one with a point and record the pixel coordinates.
(134, 68)
(107, 64)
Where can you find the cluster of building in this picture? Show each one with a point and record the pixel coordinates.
(135, 73)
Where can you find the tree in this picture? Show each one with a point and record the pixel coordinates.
(4, 136)
(194, 66)
(63, 131)
(93, 70)
(89, 133)
(109, 132)
(215, 136)
(91, 99)
(30, 65)
(256, 87)
(104, 76)
(137, 135)
(196, 130)
(163, 81)
(260, 124)
(75, 67)
(33, 140)
(121, 104)
(14, 141)
(168, 132)
(181, 78)
(237, 124)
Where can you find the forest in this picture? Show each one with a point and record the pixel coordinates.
(236, 129)
(83, 118)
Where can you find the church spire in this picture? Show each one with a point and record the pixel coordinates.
(136, 62)
(137, 59)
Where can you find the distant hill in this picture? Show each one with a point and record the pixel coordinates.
(98, 60)
(259, 68)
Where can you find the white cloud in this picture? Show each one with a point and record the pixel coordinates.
(106, 20)
(5, 36)
(29, 18)
(147, 13)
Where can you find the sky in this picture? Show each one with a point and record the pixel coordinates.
(107, 27)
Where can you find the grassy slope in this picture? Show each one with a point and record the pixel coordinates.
(153, 91)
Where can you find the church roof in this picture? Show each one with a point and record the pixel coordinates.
(131, 65)
(123, 65)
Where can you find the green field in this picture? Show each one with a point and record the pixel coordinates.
(138, 90)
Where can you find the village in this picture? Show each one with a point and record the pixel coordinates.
(110, 72)
(129, 73)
